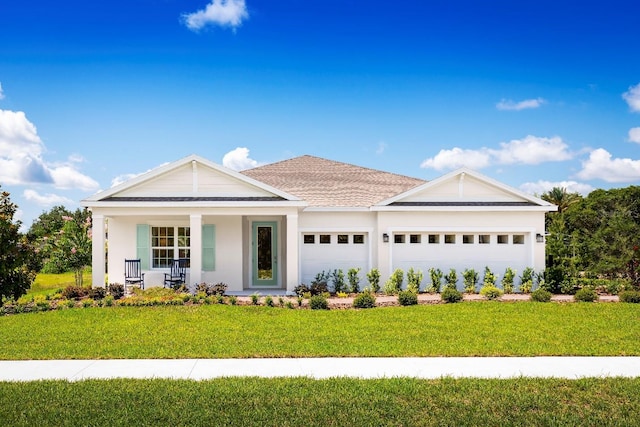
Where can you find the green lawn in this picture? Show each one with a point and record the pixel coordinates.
(48, 283)
(221, 331)
(307, 402)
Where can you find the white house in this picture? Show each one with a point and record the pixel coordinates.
(273, 227)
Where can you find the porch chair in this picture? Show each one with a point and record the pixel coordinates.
(178, 274)
(133, 275)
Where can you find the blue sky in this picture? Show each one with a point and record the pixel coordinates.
(534, 94)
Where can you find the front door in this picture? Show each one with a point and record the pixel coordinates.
(265, 254)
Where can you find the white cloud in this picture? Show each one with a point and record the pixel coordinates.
(21, 161)
(1, 92)
(634, 135)
(632, 96)
(122, 178)
(238, 159)
(381, 148)
(600, 165)
(458, 157)
(225, 13)
(46, 199)
(530, 150)
(509, 105)
(544, 186)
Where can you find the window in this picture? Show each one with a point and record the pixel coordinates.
(434, 238)
(449, 239)
(415, 238)
(467, 239)
(518, 239)
(484, 239)
(309, 239)
(398, 238)
(358, 239)
(169, 243)
(343, 239)
(325, 239)
(503, 239)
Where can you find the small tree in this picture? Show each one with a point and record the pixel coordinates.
(451, 279)
(338, 281)
(507, 280)
(489, 278)
(414, 279)
(373, 276)
(436, 279)
(526, 280)
(470, 277)
(354, 280)
(73, 246)
(16, 274)
(394, 284)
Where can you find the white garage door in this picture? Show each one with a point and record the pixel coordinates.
(331, 251)
(422, 251)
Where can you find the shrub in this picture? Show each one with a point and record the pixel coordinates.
(268, 301)
(451, 279)
(342, 294)
(585, 295)
(491, 292)
(289, 304)
(526, 280)
(87, 303)
(233, 300)
(364, 300)
(97, 293)
(301, 289)
(507, 280)
(116, 290)
(407, 297)
(414, 279)
(541, 295)
(394, 284)
(373, 276)
(354, 279)
(319, 284)
(489, 278)
(74, 292)
(108, 300)
(451, 295)
(318, 302)
(255, 299)
(300, 300)
(470, 277)
(338, 281)
(630, 296)
(436, 279)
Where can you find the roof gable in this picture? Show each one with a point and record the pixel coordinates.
(464, 187)
(331, 184)
(191, 178)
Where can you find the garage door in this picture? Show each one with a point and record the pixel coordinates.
(422, 251)
(331, 251)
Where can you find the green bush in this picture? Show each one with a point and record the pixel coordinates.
(268, 301)
(318, 302)
(301, 289)
(585, 295)
(451, 295)
(470, 277)
(414, 279)
(630, 296)
(354, 280)
(255, 299)
(373, 276)
(407, 297)
(436, 280)
(394, 283)
(491, 292)
(339, 284)
(451, 279)
(364, 300)
(507, 280)
(541, 295)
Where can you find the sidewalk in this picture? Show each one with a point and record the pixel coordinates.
(415, 367)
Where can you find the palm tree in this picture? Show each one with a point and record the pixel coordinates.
(560, 197)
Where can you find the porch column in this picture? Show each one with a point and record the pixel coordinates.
(293, 252)
(195, 224)
(97, 251)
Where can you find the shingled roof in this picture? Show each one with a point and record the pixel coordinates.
(327, 183)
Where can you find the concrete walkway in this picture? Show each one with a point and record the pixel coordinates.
(375, 367)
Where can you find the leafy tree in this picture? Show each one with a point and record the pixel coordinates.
(16, 274)
(560, 197)
(73, 246)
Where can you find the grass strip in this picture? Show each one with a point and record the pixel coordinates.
(219, 331)
(308, 402)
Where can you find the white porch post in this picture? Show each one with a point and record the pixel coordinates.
(293, 252)
(97, 251)
(195, 224)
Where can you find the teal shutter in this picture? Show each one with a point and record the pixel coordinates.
(208, 247)
(142, 245)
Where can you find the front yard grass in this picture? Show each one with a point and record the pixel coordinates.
(46, 283)
(338, 401)
(220, 331)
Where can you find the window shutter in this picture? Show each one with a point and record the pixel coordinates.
(142, 245)
(208, 247)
